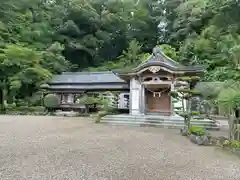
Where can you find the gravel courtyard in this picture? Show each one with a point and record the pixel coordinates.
(57, 148)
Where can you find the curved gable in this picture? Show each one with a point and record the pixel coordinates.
(158, 61)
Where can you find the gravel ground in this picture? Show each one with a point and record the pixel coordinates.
(55, 148)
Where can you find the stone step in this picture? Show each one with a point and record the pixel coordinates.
(156, 120)
(142, 124)
(124, 117)
(149, 117)
(160, 121)
(163, 125)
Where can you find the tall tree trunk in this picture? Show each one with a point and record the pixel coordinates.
(183, 105)
(86, 109)
(2, 106)
(230, 124)
(189, 104)
(236, 124)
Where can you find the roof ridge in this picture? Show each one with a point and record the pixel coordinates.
(84, 72)
(169, 59)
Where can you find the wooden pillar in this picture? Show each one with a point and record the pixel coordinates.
(172, 99)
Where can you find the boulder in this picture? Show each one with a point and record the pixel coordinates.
(200, 140)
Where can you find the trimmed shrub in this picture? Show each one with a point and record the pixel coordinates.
(51, 101)
(100, 115)
(198, 131)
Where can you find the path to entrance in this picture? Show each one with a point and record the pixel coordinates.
(54, 148)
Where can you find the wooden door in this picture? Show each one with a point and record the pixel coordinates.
(157, 104)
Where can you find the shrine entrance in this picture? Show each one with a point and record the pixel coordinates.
(158, 100)
(152, 81)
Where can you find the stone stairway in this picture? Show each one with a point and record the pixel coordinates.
(174, 122)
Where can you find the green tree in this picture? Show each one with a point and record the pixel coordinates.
(229, 98)
(186, 94)
(53, 60)
(20, 70)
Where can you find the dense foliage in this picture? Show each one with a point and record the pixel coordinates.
(39, 38)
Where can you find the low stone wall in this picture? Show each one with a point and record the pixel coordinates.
(69, 113)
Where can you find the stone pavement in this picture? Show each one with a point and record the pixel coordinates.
(61, 148)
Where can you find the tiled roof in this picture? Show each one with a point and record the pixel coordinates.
(90, 87)
(86, 78)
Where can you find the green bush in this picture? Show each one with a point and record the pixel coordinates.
(232, 144)
(198, 131)
(88, 100)
(107, 108)
(25, 109)
(35, 99)
(100, 115)
(21, 102)
(51, 101)
(195, 113)
(10, 106)
(235, 144)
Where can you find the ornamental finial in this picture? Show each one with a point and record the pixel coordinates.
(157, 51)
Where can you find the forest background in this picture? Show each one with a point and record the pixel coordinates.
(40, 38)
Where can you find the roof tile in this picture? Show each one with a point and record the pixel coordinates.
(86, 78)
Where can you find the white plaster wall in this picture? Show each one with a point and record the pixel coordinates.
(122, 101)
(142, 100)
(135, 88)
(70, 98)
(135, 99)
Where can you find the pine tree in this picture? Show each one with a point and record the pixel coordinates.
(186, 94)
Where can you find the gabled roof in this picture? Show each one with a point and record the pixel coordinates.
(86, 78)
(158, 58)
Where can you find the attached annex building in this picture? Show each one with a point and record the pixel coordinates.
(145, 88)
